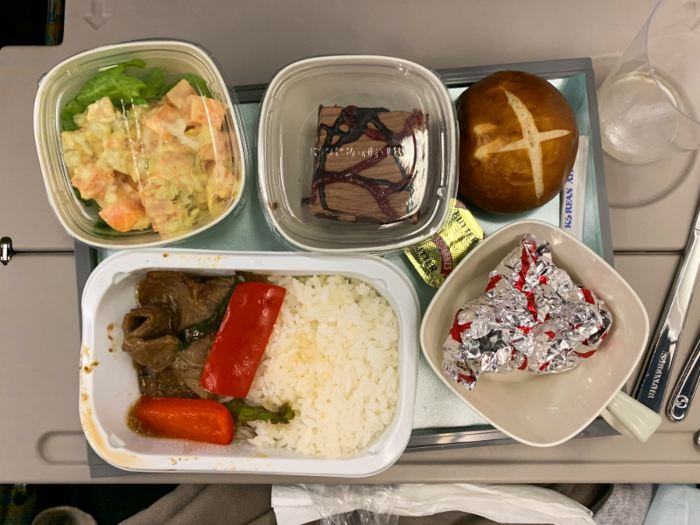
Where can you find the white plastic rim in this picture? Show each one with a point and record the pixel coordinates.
(144, 45)
(108, 389)
(451, 132)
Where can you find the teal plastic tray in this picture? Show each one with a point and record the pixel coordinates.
(249, 231)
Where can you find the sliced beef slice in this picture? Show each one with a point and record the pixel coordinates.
(162, 384)
(157, 354)
(149, 338)
(147, 322)
(187, 299)
(190, 363)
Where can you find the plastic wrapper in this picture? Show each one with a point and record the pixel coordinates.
(383, 504)
(355, 504)
(532, 317)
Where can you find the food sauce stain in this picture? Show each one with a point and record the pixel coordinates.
(87, 369)
(112, 339)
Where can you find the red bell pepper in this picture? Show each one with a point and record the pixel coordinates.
(193, 419)
(242, 338)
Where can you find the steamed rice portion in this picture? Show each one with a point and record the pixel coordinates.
(333, 356)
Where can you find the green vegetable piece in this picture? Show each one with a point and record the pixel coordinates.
(103, 229)
(72, 109)
(155, 84)
(113, 83)
(198, 84)
(169, 87)
(134, 62)
(190, 334)
(86, 202)
(242, 412)
(110, 83)
(138, 101)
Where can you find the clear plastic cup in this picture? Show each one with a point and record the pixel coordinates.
(287, 150)
(649, 103)
(179, 177)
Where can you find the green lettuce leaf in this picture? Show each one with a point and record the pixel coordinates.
(198, 84)
(113, 83)
(124, 90)
(155, 84)
(104, 230)
(72, 109)
(86, 202)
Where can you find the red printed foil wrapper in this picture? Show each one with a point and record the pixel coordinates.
(435, 258)
(531, 317)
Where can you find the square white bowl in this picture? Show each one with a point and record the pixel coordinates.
(108, 389)
(287, 138)
(542, 410)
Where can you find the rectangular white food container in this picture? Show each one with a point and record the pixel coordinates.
(108, 382)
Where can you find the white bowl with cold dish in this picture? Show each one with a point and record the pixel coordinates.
(109, 384)
(547, 410)
(169, 170)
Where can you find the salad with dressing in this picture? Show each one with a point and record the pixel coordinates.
(149, 155)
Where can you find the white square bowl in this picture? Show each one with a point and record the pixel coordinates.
(542, 410)
(110, 387)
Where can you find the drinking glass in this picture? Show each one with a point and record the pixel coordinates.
(648, 104)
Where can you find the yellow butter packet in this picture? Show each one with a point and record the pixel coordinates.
(438, 256)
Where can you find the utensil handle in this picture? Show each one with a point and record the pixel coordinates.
(682, 396)
(631, 418)
(654, 380)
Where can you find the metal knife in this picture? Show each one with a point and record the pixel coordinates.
(684, 391)
(657, 369)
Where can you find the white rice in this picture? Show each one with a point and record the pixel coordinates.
(333, 356)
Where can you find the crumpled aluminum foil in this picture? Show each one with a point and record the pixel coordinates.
(532, 317)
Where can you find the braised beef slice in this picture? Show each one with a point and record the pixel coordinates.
(157, 354)
(168, 290)
(190, 363)
(147, 322)
(196, 354)
(187, 299)
(211, 291)
(149, 337)
(162, 384)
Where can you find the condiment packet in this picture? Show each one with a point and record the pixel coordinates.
(435, 258)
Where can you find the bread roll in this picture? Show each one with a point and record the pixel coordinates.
(518, 142)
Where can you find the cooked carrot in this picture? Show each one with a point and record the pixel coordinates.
(193, 419)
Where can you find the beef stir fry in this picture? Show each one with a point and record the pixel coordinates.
(171, 302)
(185, 324)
